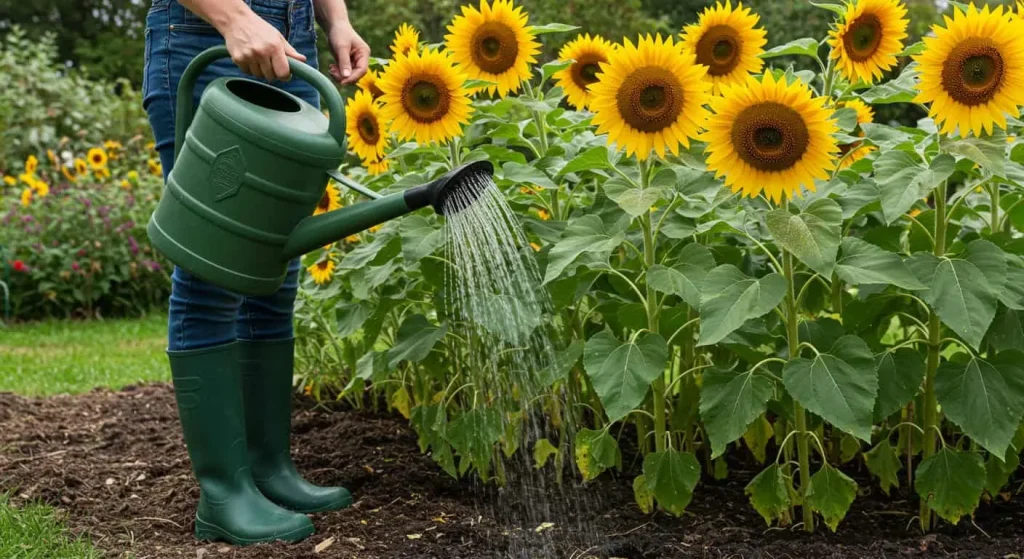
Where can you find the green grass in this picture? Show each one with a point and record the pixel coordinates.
(69, 357)
(35, 532)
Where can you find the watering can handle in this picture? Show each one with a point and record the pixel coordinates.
(186, 86)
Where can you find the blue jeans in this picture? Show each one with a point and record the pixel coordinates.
(202, 314)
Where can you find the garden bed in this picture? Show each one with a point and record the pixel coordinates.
(115, 462)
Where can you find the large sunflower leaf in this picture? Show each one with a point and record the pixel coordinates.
(984, 398)
(622, 372)
(586, 234)
(729, 299)
(864, 263)
(803, 47)
(883, 462)
(831, 493)
(904, 180)
(951, 483)
(671, 476)
(813, 236)
(900, 374)
(729, 402)
(768, 493)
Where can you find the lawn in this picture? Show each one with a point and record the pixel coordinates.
(68, 357)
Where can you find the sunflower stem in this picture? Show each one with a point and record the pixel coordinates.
(994, 193)
(930, 412)
(658, 386)
(455, 149)
(800, 416)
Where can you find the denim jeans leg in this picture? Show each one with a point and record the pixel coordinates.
(269, 318)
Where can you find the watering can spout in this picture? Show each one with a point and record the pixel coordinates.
(316, 231)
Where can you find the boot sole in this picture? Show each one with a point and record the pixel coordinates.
(337, 505)
(206, 531)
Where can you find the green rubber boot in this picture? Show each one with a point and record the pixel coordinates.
(231, 508)
(267, 389)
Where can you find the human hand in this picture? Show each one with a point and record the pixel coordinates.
(351, 53)
(258, 48)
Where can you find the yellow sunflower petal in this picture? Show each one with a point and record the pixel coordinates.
(425, 98)
(493, 43)
(728, 42)
(868, 38)
(365, 128)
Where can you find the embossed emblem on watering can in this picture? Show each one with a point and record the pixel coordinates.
(251, 164)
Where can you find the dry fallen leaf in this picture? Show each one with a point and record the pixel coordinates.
(544, 526)
(414, 536)
(324, 545)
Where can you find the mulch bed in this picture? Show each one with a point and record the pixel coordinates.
(115, 464)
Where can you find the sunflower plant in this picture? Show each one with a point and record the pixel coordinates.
(743, 259)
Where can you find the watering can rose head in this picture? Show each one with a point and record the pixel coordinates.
(251, 164)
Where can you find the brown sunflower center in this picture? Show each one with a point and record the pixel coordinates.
(973, 72)
(719, 50)
(586, 68)
(425, 99)
(325, 202)
(323, 265)
(368, 130)
(375, 91)
(863, 37)
(650, 99)
(495, 47)
(770, 136)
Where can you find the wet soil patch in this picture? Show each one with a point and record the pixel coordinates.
(115, 465)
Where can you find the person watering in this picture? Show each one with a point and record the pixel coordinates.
(230, 355)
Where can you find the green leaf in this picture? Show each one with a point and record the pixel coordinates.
(551, 68)
(997, 472)
(596, 451)
(729, 299)
(768, 494)
(586, 234)
(757, 436)
(840, 386)
(962, 298)
(864, 263)
(1012, 293)
(903, 89)
(951, 483)
(904, 180)
(560, 365)
(989, 151)
(730, 402)
(684, 281)
(350, 317)
(900, 374)
(634, 201)
(831, 493)
(984, 398)
(671, 476)
(883, 463)
(472, 84)
(622, 372)
(802, 47)
(542, 451)
(416, 338)
(419, 238)
(474, 433)
(552, 28)
(813, 236)
(642, 494)
(991, 260)
(838, 9)
(526, 174)
(590, 160)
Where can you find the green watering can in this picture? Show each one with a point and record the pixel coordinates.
(251, 166)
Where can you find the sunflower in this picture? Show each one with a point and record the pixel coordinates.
(376, 167)
(133, 176)
(728, 41)
(855, 151)
(31, 164)
(650, 96)
(866, 42)
(587, 54)
(366, 134)
(97, 158)
(972, 70)
(330, 201)
(102, 173)
(770, 136)
(155, 167)
(369, 83)
(10, 181)
(26, 197)
(126, 184)
(494, 44)
(52, 156)
(407, 39)
(80, 167)
(66, 171)
(425, 97)
(41, 189)
(322, 271)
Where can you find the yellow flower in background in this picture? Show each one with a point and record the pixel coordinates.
(52, 156)
(535, 247)
(376, 167)
(27, 178)
(728, 41)
(425, 97)
(972, 71)
(366, 132)
(97, 158)
(80, 167)
(494, 44)
(150, 146)
(650, 96)
(102, 173)
(375, 228)
(369, 83)
(407, 39)
(772, 137)
(133, 176)
(587, 54)
(26, 197)
(330, 201)
(112, 145)
(865, 114)
(31, 164)
(155, 168)
(41, 189)
(322, 271)
(10, 181)
(125, 184)
(868, 38)
(66, 171)
(352, 239)
(543, 215)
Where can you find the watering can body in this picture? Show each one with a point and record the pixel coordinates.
(251, 164)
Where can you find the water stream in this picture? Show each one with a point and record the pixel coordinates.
(499, 307)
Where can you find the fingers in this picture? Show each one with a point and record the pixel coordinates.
(343, 57)
(360, 62)
(279, 64)
(290, 51)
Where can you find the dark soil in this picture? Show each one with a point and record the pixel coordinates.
(116, 464)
